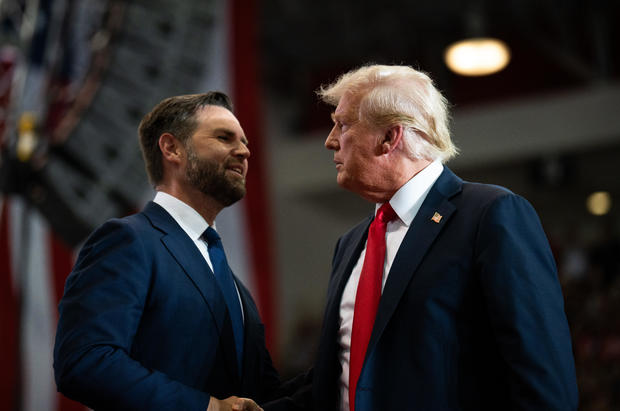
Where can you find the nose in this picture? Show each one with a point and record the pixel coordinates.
(331, 143)
(242, 151)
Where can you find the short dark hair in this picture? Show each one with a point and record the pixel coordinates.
(174, 115)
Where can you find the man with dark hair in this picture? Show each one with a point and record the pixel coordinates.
(152, 317)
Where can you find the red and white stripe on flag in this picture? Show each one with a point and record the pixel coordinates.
(34, 265)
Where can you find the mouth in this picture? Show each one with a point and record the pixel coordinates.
(338, 164)
(238, 169)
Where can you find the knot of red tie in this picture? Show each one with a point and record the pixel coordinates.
(386, 213)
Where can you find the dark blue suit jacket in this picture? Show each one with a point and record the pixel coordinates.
(471, 316)
(144, 326)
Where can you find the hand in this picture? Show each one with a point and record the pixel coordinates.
(233, 404)
(244, 404)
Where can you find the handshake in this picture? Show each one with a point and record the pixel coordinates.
(233, 403)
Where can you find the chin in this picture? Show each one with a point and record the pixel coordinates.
(346, 184)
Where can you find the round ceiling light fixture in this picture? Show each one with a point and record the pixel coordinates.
(599, 203)
(479, 56)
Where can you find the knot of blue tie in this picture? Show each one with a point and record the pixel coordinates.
(212, 237)
(223, 275)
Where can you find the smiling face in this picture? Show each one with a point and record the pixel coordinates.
(357, 148)
(217, 156)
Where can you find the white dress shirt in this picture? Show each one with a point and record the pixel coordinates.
(192, 223)
(406, 202)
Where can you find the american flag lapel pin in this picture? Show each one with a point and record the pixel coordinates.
(436, 217)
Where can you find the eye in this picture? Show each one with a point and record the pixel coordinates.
(223, 138)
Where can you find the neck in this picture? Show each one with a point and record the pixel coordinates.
(204, 205)
(392, 179)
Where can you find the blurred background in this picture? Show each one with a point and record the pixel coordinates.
(76, 77)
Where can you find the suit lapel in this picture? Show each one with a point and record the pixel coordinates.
(421, 234)
(327, 368)
(342, 272)
(184, 251)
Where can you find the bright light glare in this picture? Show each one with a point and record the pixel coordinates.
(599, 203)
(477, 56)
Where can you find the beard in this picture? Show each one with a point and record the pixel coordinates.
(211, 179)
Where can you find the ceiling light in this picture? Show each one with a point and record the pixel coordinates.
(599, 203)
(477, 56)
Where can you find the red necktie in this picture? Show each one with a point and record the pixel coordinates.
(368, 295)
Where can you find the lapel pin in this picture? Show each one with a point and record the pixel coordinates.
(436, 217)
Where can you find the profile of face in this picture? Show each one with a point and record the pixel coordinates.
(356, 145)
(217, 156)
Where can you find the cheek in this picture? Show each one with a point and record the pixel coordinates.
(357, 156)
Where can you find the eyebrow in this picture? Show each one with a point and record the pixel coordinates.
(344, 117)
(230, 133)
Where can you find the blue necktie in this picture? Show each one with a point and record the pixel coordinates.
(223, 275)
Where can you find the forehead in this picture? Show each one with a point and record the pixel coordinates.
(347, 107)
(216, 117)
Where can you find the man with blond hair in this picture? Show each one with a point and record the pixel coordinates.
(447, 297)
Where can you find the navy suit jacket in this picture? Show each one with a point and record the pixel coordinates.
(144, 326)
(471, 316)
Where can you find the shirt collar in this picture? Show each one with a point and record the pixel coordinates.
(407, 201)
(189, 219)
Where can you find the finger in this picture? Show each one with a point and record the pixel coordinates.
(239, 405)
(245, 404)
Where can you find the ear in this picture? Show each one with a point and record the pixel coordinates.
(392, 138)
(171, 149)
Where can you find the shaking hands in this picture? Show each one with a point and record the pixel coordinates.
(233, 404)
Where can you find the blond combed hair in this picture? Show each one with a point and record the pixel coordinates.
(399, 95)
